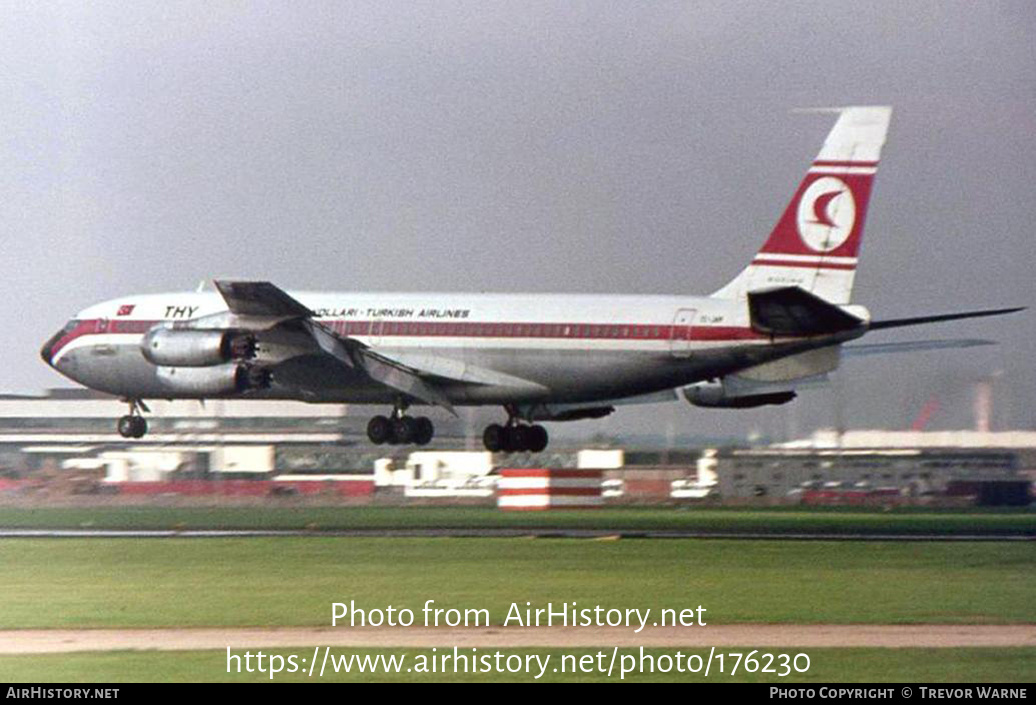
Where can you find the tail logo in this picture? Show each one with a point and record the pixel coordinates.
(826, 214)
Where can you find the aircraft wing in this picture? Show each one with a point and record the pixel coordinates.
(263, 301)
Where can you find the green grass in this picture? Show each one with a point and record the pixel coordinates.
(964, 665)
(725, 520)
(293, 581)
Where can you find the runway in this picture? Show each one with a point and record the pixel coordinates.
(539, 532)
(43, 641)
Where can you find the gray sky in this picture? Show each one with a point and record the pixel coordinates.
(586, 147)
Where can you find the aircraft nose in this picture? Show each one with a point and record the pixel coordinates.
(48, 349)
(46, 352)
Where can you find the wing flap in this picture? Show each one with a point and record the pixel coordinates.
(402, 379)
(381, 369)
(265, 300)
(457, 371)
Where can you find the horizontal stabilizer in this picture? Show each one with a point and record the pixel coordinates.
(901, 322)
(913, 346)
(795, 312)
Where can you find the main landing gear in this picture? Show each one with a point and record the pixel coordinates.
(515, 436)
(133, 425)
(400, 429)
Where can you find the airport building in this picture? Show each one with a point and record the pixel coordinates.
(864, 475)
(68, 437)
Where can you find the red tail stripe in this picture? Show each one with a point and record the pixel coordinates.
(827, 162)
(801, 265)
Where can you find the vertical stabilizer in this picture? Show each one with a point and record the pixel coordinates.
(816, 242)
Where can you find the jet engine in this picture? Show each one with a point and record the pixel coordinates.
(196, 348)
(715, 395)
(219, 380)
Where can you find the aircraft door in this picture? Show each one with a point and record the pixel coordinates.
(680, 333)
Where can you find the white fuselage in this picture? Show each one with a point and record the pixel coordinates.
(485, 348)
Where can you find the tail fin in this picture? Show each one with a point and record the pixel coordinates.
(815, 244)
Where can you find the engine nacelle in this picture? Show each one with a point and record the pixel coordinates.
(220, 380)
(714, 395)
(168, 347)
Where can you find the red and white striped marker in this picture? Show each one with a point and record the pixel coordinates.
(521, 489)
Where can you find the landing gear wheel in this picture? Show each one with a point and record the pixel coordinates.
(400, 429)
(132, 426)
(379, 430)
(517, 439)
(404, 430)
(424, 430)
(494, 437)
(537, 438)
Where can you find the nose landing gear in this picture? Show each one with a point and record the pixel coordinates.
(133, 425)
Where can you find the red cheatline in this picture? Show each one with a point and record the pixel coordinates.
(558, 331)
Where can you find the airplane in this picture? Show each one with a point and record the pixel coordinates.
(779, 323)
